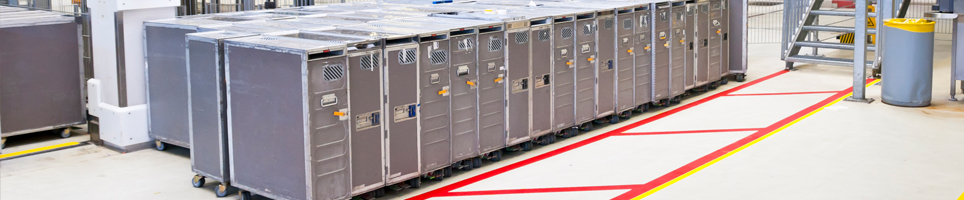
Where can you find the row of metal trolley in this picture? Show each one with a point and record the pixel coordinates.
(41, 78)
(348, 100)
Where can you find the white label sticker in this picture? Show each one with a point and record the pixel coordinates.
(435, 44)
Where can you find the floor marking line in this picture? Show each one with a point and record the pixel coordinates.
(448, 188)
(47, 148)
(540, 190)
(689, 132)
(756, 137)
(783, 93)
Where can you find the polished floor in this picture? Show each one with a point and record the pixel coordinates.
(779, 135)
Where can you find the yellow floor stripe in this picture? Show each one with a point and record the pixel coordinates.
(961, 197)
(2, 156)
(677, 179)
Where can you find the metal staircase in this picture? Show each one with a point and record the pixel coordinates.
(801, 18)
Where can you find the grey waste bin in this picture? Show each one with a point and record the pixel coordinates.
(909, 60)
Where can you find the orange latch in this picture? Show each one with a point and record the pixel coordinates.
(630, 51)
(470, 83)
(590, 59)
(443, 92)
(568, 63)
(340, 114)
(498, 79)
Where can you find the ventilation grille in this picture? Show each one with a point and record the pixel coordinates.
(522, 37)
(369, 62)
(608, 24)
(439, 56)
(406, 56)
(334, 72)
(587, 29)
(495, 44)
(544, 35)
(269, 38)
(566, 33)
(465, 44)
(628, 24)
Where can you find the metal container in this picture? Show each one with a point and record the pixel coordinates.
(662, 43)
(724, 29)
(492, 90)
(678, 51)
(703, 32)
(207, 106)
(40, 92)
(716, 56)
(643, 82)
(625, 60)
(690, 35)
(288, 117)
(563, 70)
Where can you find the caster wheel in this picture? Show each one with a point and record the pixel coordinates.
(245, 195)
(740, 77)
(586, 127)
(552, 138)
(379, 193)
(664, 103)
(526, 146)
(221, 190)
(725, 81)
(197, 181)
(477, 162)
(447, 172)
(626, 115)
(714, 84)
(160, 146)
(65, 133)
(468, 165)
(613, 119)
(415, 182)
(496, 156)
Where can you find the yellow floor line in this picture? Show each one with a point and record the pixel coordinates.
(2, 156)
(677, 179)
(961, 197)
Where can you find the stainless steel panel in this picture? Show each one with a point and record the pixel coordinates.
(625, 55)
(329, 173)
(41, 79)
(492, 88)
(644, 57)
(563, 70)
(435, 132)
(586, 60)
(662, 37)
(519, 71)
(465, 96)
(541, 63)
(606, 66)
(702, 53)
(367, 139)
(678, 51)
(689, 77)
(725, 44)
(715, 41)
(401, 65)
(167, 92)
(208, 127)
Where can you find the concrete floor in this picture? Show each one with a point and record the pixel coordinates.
(846, 150)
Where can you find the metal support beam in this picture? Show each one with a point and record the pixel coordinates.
(956, 67)
(860, 53)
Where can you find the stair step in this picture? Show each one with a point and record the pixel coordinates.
(825, 61)
(840, 13)
(840, 29)
(832, 45)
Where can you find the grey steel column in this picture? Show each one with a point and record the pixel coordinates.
(860, 52)
(956, 67)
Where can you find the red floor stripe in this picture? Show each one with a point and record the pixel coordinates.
(716, 154)
(786, 93)
(541, 190)
(448, 188)
(691, 131)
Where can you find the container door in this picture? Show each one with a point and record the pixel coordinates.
(662, 46)
(586, 60)
(678, 51)
(725, 43)
(563, 84)
(541, 104)
(167, 85)
(401, 65)
(606, 67)
(689, 77)
(519, 87)
(434, 104)
(465, 111)
(329, 122)
(207, 124)
(492, 83)
(367, 141)
(703, 33)
(644, 57)
(625, 53)
(716, 41)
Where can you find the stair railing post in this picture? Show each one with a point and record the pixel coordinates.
(860, 52)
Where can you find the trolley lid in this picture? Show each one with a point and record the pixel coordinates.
(272, 42)
(287, 25)
(186, 23)
(35, 21)
(215, 36)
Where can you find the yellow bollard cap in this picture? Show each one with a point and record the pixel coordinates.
(912, 25)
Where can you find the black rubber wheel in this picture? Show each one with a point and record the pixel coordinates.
(379, 193)
(726, 80)
(626, 114)
(586, 127)
(740, 77)
(613, 119)
(197, 181)
(527, 146)
(160, 146)
(714, 84)
(415, 182)
(447, 172)
(245, 195)
(552, 139)
(477, 162)
(467, 165)
(221, 190)
(65, 133)
(496, 156)
(664, 103)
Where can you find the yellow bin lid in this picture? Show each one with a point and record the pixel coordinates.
(912, 25)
